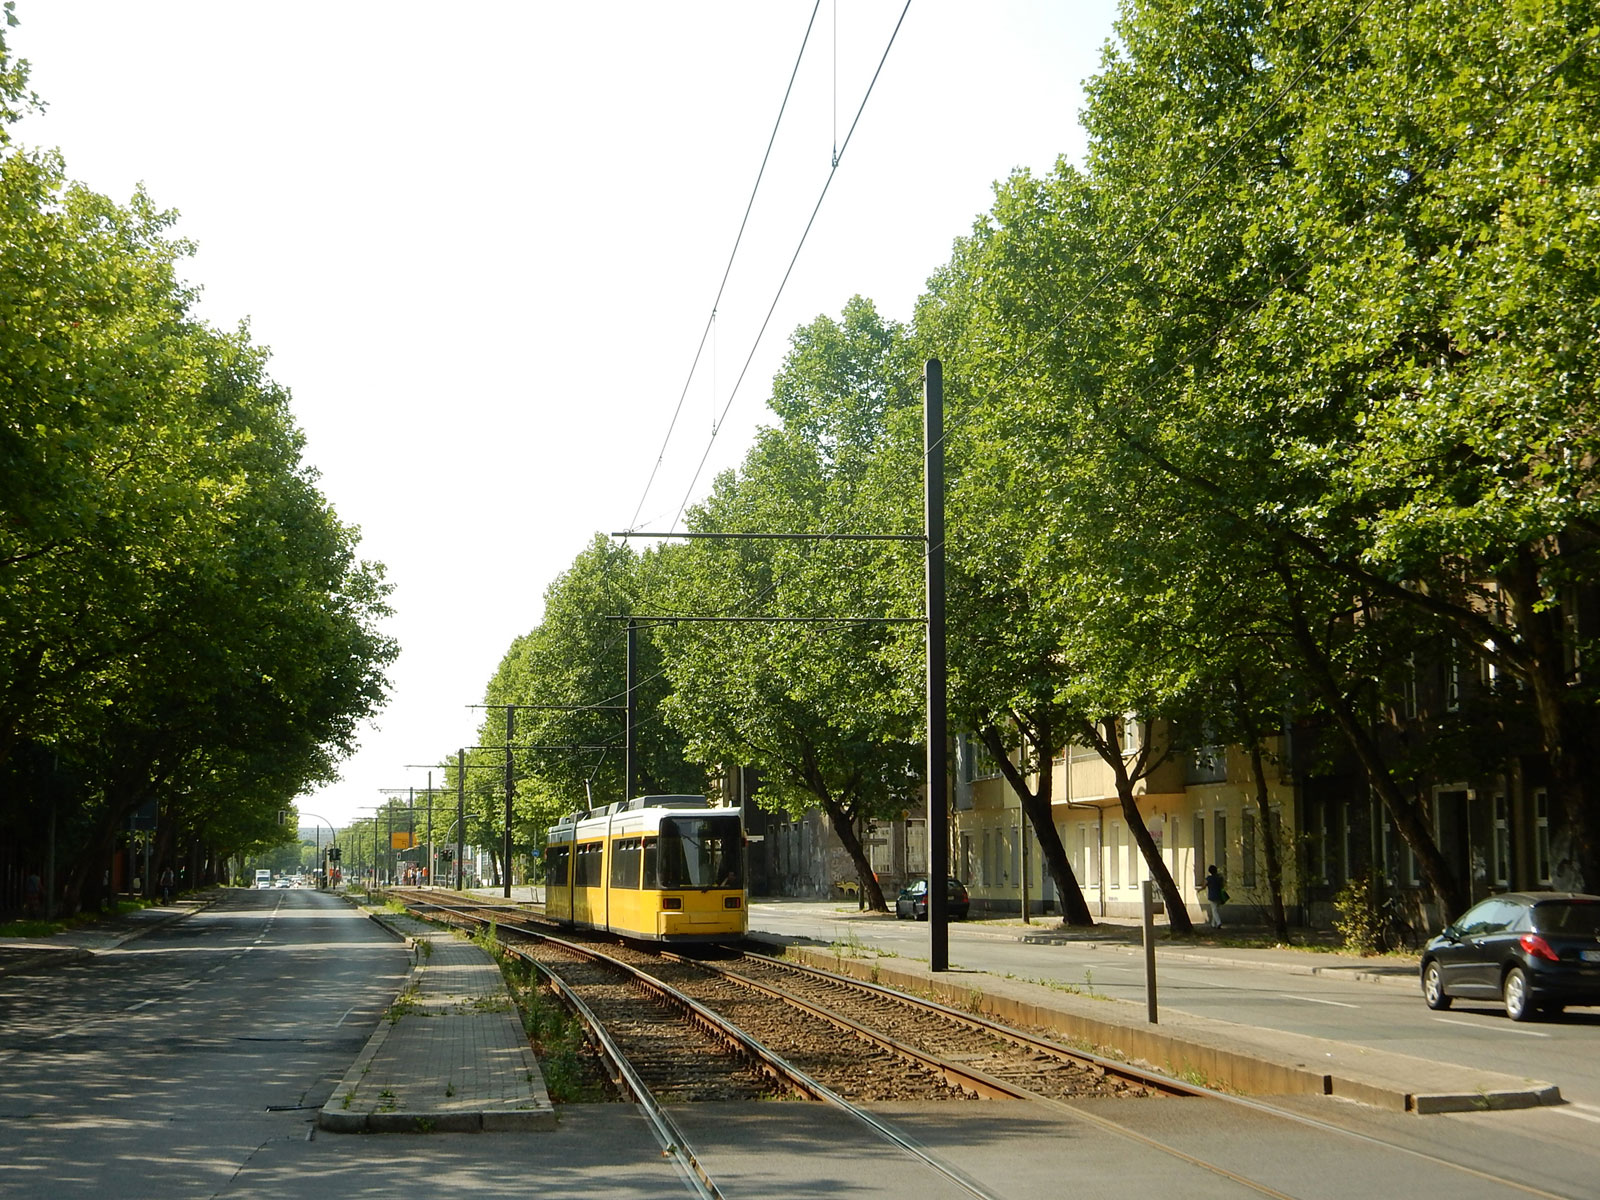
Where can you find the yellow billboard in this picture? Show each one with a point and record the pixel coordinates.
(402, 841)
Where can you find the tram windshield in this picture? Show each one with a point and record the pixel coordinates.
(700, 852)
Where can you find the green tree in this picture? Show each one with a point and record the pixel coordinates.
(824, 709)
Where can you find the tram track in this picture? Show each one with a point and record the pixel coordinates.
(969, 1055)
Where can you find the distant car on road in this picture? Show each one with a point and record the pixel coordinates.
(912, 901)
(1535, 952)
(284, 882)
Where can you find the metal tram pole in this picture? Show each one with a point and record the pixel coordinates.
(461, 812)
(630, 776)
(938, 771)
(511, 717)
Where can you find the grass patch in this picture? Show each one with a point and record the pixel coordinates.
(572, 1073)
(404, 1004)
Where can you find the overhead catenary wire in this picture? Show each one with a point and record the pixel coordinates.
(728, 270)
(794, 258)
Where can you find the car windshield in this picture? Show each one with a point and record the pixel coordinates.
(1569, 916)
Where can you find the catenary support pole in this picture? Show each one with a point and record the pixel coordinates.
(461, 813)
(630, 765)
(505, 865)
(937, 774)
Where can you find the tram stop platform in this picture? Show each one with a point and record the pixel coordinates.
(449, 1055)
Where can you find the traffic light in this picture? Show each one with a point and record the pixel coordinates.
(334, 854)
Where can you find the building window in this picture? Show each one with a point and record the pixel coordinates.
(1199, 849)
(1452, 686)
(1114, 861)
(980, 763)
(1130, 733)
(1541, 835)
(1502, 840)
(1089, 851)
(1319, 848)
(1408, 686)
(1219, 827)
(1247, 851)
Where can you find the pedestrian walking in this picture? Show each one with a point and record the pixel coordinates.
(167, 881)
(1216, 895)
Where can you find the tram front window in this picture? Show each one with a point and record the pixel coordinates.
(701, 852)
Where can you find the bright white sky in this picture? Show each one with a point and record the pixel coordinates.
(482, 241)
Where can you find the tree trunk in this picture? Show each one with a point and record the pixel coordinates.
(1038, 805)
(1569, 728)
(1269, 832)
(1407, 818)
(843, 820)
(1109, 747)
(1269, 840)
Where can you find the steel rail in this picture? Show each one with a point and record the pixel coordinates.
(1018, 1038)
(1153, 1079)
(786, 1071)
(665, 1129)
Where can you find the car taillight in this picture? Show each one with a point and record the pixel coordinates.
(1538, 947)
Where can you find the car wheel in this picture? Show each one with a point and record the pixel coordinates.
(1515, 994)
(1433, 987)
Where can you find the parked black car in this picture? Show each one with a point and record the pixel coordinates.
(1533, 951)
(913, 900)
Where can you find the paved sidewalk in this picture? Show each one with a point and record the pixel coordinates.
(19, 955)
(450, 1054)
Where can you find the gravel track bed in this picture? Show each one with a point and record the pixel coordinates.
(1056, 1076)
(852, 1067)
(678, 1061)
(848, 1065)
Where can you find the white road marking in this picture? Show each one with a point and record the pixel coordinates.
(1314, 1000)
(346, 1016)
(1492, 1028)
(138, 1006)
(1582, 1116)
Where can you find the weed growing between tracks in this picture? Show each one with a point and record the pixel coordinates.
(572, 1072)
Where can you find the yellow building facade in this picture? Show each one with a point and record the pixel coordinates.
(1199, 811)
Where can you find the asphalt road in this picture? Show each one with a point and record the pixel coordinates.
(190, 1062)
(160, 1068)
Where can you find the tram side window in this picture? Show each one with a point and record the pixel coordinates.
(701, 852)
(625, 863)
(588, 869)
(652, 877)
(556, 860)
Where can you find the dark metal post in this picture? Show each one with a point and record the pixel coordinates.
(511, 716)
(461, 813)
(937, 773)
(630, 766)
(1148, 923)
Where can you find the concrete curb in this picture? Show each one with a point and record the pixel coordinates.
(47, 957)
(1227, 1057)
(347, 1110)
(45, 960)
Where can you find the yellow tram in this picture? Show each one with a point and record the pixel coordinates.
(659, 868)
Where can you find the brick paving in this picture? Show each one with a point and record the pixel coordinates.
(450, 1053)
